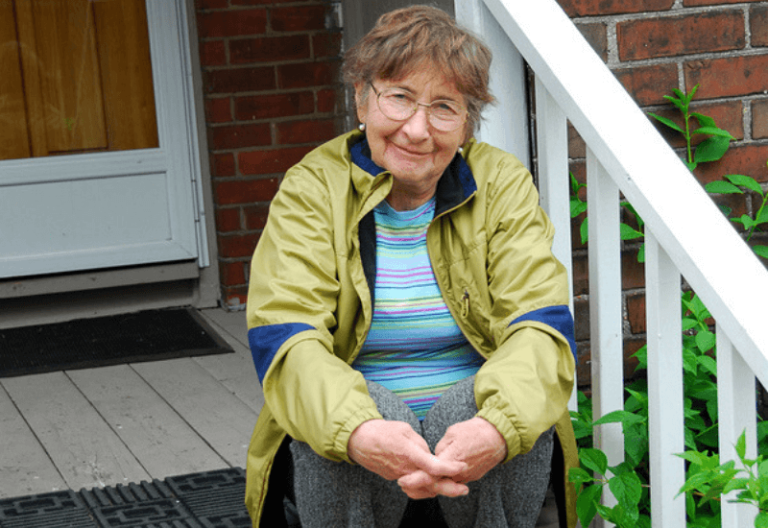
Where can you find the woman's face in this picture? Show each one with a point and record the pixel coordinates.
(412, 150)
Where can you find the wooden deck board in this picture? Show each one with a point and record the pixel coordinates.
(209, 407)
(234, 371)
(82, 446)
(115, 425)
(25, 468)
(153, 431)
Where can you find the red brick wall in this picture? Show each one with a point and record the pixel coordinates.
(272, 92)
(656, 45)
(270, 73)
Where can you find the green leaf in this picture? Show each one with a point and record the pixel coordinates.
(577, 207)
(628, 206)
(627, 488)
(708, 364)
(718, 187)
(642, 357)
(704, 120)
(594, 459)
(699, 309)
(744, 220)
(629, 233)
(711, 149)
(695, 457)
(761, 521)
(725, 209)
(713, 131)
(761, 251)
(745, 181)
(690, 361)
(762, 216)
(705, 340)
(641, 254)
(667, 122)
(677, 102)
(584, 230)
(620, 416)
(735, 484)
(586, 504)
(689, 322)
(741, 445)
(579, 476)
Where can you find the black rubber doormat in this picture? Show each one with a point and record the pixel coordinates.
(214, 499)
(150, 335)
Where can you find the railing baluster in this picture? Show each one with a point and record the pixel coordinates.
(736, 414)
(605, 308)
(552, 152)
(665, 385)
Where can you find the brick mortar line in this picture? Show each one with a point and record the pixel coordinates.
(701, 102)
(655, 15)
(276, 121)
(272, 64)
(677, 59)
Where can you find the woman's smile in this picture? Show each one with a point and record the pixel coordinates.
(414, 151)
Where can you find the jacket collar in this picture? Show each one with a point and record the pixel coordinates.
(455, 186)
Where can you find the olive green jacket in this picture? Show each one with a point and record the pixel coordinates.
(310, 303)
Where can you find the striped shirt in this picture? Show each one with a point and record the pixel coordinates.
(414, 347)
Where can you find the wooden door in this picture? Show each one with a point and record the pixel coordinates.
(97, 139)
(77, 77)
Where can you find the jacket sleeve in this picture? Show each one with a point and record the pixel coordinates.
(315, 396)
(524, 387)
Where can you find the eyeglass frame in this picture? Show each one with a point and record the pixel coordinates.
(416, 105)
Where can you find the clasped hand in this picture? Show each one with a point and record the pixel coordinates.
(394, 450)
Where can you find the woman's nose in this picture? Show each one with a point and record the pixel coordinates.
(417, 126)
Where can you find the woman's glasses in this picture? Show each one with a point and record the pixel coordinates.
(398, 105)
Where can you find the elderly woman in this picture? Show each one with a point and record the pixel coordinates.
(408, 321)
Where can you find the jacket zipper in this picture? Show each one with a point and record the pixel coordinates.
(465, 304)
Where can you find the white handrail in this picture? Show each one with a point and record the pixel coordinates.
(685, 235)
(728, 277)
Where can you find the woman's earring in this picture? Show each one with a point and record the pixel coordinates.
(361, 126)
(461, 150)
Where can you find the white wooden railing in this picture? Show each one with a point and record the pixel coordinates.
(685, 233)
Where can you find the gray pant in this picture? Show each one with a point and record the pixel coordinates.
(349, 496)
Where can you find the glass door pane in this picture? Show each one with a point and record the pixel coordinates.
(77, 78)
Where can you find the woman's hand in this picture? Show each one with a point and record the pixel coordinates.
(476, 443)
(393, 450)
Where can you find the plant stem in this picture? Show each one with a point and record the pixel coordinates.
(687, 117)
(757, 215)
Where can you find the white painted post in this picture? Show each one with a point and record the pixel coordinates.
(505, 124)
(605, 308)
(552, 154)
(736, 413)
(665, 385)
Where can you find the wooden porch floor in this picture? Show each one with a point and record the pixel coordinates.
(124, 424)
(116, 425)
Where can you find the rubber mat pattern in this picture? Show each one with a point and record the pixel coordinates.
(213, 499)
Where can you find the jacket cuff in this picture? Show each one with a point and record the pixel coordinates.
(341, 441)
(505, 427)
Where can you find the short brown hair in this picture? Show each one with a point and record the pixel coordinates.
(407, 39)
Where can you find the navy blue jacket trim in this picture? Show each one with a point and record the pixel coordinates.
(266, 340)
(558, 317)
(361, 156)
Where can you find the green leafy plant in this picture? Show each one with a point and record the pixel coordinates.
(700, 397)
(708, 480)
(626, 231)
(738, 184)
(628, 480)
(717, 140)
